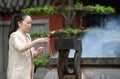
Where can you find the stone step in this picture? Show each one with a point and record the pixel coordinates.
(69, 77)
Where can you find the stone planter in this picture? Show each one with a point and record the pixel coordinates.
(63, 45)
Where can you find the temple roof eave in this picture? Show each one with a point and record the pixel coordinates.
(16, 5)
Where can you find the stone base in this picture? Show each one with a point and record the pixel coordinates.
(89, 73)
(101, 73)
(93, 68)
(69, 77)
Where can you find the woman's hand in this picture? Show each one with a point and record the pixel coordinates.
(39, 51)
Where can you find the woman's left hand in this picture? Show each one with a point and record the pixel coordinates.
(40, 49)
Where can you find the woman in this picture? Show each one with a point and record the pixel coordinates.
(21, 51)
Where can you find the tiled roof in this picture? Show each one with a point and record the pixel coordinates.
(16, 5)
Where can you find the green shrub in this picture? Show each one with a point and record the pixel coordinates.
(42, 61)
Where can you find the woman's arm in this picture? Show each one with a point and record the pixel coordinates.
(16, 41)
(35, 42)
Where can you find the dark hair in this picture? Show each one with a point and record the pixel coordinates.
(14, 22)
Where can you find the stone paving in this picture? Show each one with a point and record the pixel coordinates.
(40, 73)
(52, 74)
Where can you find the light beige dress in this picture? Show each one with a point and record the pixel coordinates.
(20, 61)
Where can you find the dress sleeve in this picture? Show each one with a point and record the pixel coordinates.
(17, 42)
(32, 49)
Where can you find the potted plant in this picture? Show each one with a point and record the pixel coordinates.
(67, 33)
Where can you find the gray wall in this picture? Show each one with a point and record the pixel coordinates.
(1, 50)
(41, 25)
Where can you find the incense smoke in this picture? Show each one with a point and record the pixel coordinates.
(102, 41)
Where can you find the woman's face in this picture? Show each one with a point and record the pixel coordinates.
(25, 25)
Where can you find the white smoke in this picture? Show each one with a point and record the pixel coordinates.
(102, 41)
